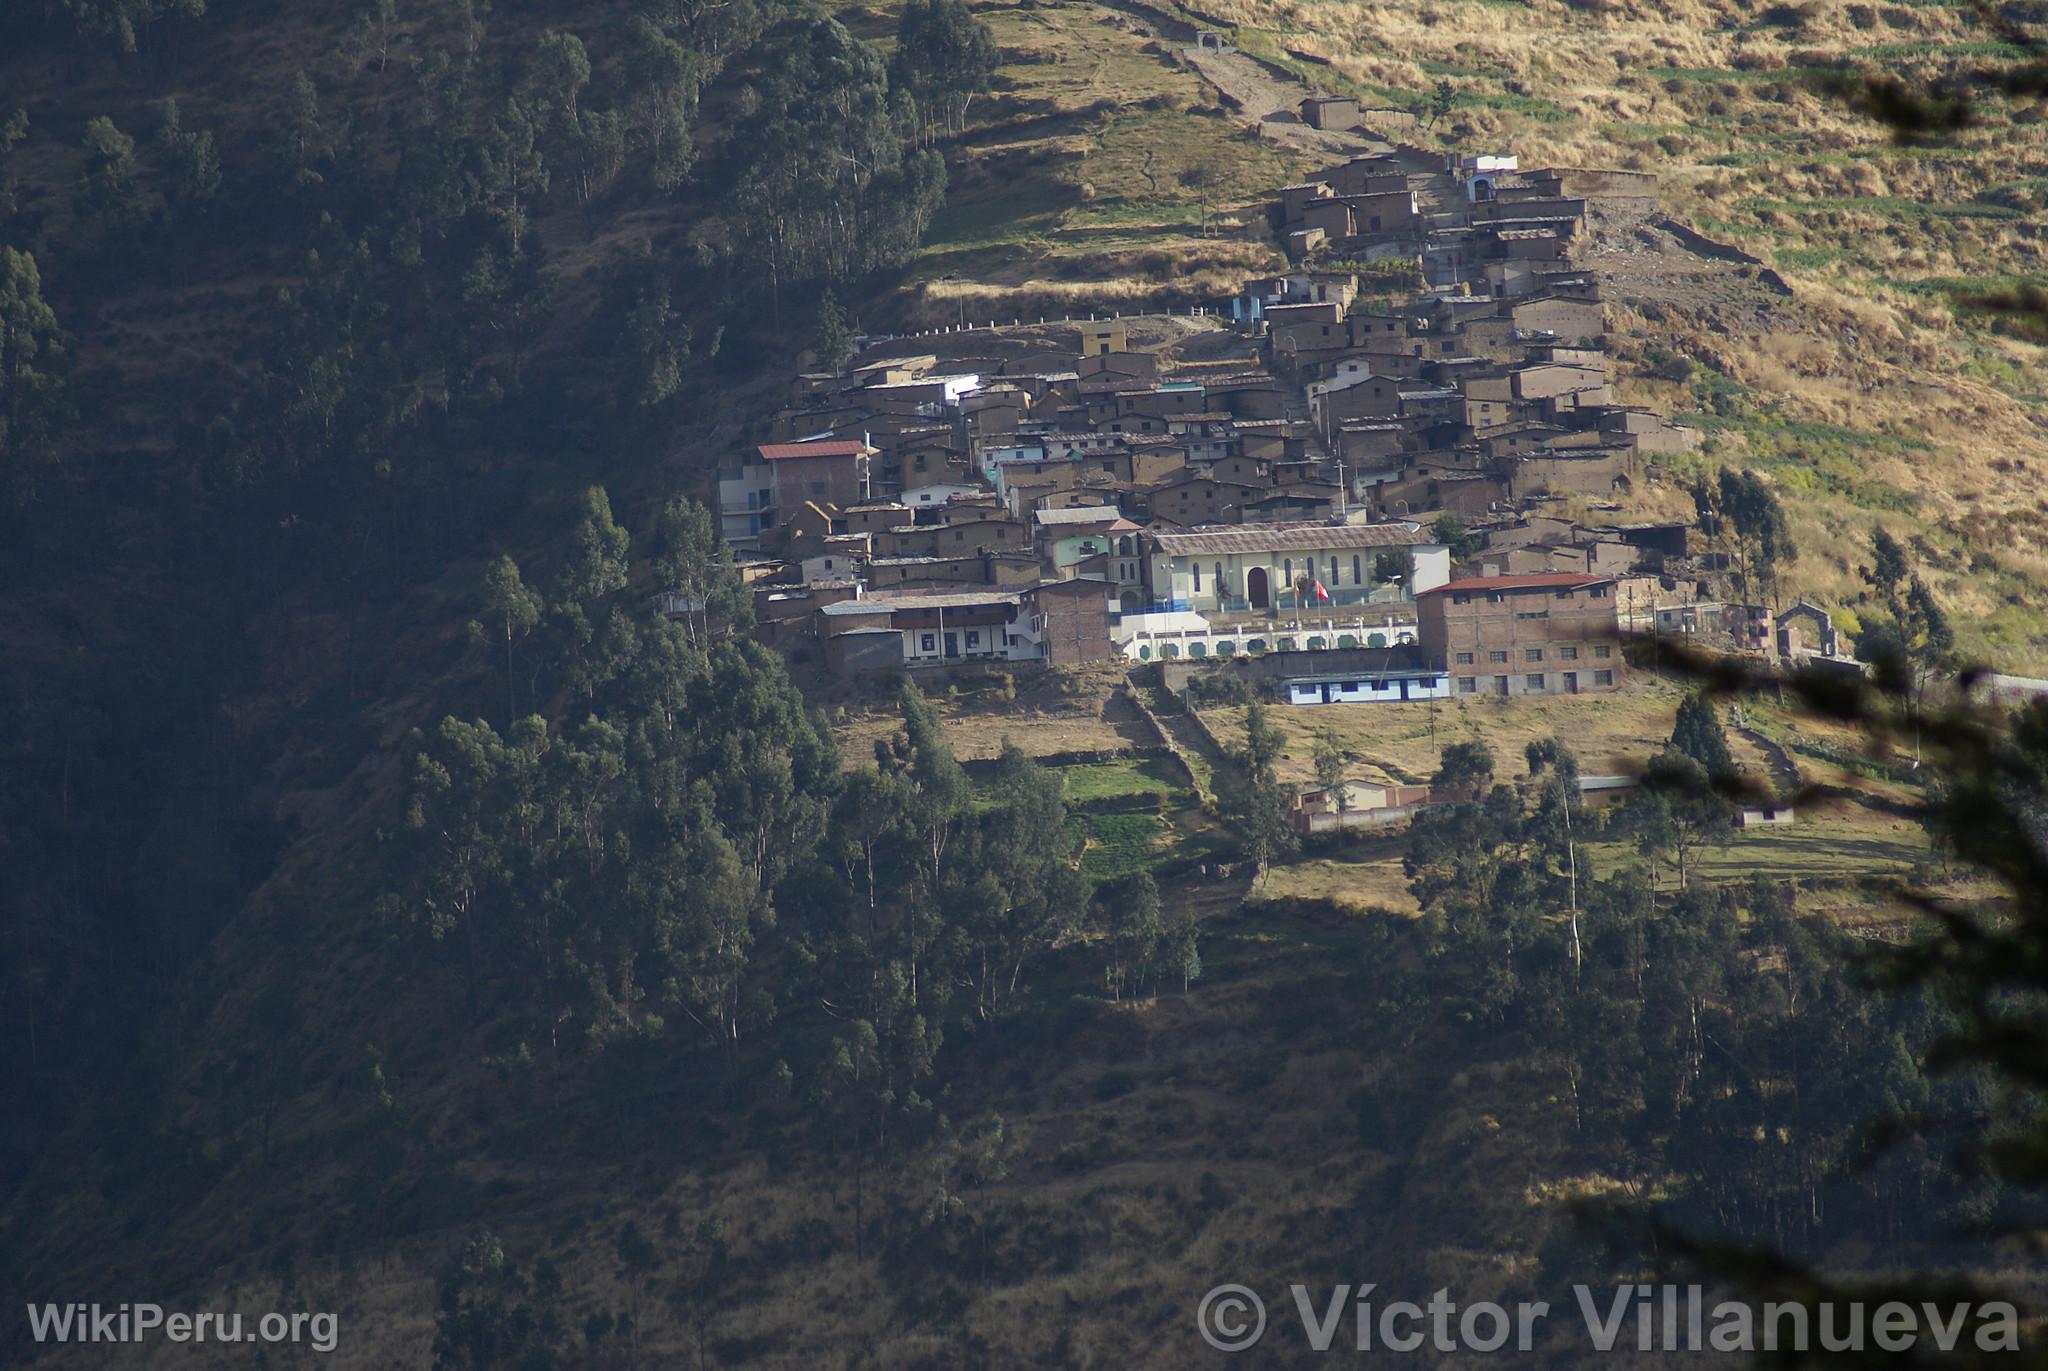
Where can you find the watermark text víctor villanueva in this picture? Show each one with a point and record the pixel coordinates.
(1626, 1318)
(145, 1322)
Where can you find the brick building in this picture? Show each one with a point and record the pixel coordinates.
(836, 471)
(1523, 635)
(1071, 620)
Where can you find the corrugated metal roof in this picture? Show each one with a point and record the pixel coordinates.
(945, 599)
(1289, 537)
(1556, 580)
(1078, 514)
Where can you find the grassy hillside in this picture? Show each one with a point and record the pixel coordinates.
(1875, 391)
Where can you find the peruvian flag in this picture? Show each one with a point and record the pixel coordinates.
(1321, 594)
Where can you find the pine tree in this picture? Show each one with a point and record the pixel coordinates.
(1698, 734)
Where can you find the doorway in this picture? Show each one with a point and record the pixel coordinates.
(1255, 588)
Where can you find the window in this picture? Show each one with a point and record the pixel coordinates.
(1532, 614)
(1535, 679)
(974, 637)
(930, 643)
(1494, 597)
(1570, 654)
(1599, 592)
(1602, 651)
(1603, 678)
(1534, 654)
(1468, 685)
(1287, 570)
(1198, 578)
(1333, 571)
(1459, 597)
(1216, 571)
(1497, 656)
(1357, 572)
(1464, 659)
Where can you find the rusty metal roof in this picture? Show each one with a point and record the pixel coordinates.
(775, 452)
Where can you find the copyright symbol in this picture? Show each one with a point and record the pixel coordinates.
(1231, 1318)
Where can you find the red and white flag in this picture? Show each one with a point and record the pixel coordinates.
(1321, 594)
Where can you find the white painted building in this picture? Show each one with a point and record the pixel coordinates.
(1251, 568)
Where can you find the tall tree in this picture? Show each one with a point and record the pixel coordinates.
(944, 58)
(31, 347)
(1699, 735)
(1127, 919)
(1888, 568)
(598, 552)
(1763, 537)
(513, 610)
(835, 339)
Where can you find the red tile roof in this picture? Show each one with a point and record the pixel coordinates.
(1554, 580)
(840, 447)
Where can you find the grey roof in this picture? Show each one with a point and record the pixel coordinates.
(883, 603)
(1289, 537)
(1079, 514)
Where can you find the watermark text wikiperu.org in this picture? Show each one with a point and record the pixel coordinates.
(142, 1322)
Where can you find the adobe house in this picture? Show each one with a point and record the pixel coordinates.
(835, 472)
(1099, 338)
(1201, 499)
(1298, 197)
(1562, 317)
(1374, 175)
(1337, 112)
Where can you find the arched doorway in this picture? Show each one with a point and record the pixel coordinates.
(1129, 602)
(1255, 587)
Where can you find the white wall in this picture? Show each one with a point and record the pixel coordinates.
(1432, 568)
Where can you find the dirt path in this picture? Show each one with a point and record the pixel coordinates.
(1261, 94)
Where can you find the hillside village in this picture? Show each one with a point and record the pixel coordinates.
(1397, 470)
(554, 826)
